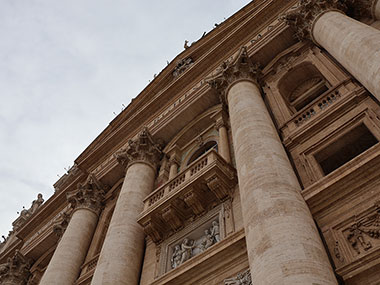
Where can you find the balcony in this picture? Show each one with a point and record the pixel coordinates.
(201, 186)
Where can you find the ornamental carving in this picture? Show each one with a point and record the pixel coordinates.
(303, 17)
(143, 149)
(238, 68)
(15, 270)
(189, 248)
(61, 224)
(243, 278)
(89, 195)
(182, 66)
(361, 232)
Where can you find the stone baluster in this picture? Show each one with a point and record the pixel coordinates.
(223, 144)
(283, 243)
(122, 252)
(68, 257)
(16, 270)
(353, 44)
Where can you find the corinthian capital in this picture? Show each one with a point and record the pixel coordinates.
(89, 195)
(303, 17)
(15, 270)
(143, 149)
(239, 68)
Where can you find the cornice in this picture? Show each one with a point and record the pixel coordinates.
(218, 46)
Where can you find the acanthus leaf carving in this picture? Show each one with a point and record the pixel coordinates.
(61, 223)
(303, 16)
(89, 195)
(143, 149)
(238, 68)
(15, 270)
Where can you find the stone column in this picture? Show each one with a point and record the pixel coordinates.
(173, 170)
(353, 44)
(283, 243)
(223, 144)
(68, 257)
(122, 252)
(15, 271)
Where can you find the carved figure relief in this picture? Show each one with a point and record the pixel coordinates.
(15, 270)
(189, 248)
(243, 278)
(364, 229)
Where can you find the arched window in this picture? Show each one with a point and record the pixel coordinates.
(302, 85)
(202, 150)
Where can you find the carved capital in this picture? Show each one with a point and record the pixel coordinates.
(239, 68)
(61, 224)
(15, 270)
(143, 149)
(304, 16)
(89, 195)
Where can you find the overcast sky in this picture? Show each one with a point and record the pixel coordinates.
(67, 66)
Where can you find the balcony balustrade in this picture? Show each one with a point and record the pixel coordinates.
(195, 190)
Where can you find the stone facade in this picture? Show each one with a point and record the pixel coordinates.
(256, 163)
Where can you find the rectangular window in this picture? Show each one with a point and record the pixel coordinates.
(345, 148)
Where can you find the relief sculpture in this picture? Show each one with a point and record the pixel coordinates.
(189, 248)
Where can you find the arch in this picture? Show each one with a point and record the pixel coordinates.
(301, 85)
(212, 144)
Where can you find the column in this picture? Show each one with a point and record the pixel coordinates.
(122, 252)
(16, 270)
(283, 243)
(68, 257)
(223, 144)
(174, 163)
(353, 44)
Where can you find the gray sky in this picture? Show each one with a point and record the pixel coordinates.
(66, 66)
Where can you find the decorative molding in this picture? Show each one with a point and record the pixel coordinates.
(61, 224)
(337, 252)
(303, 17)
(231, 71)
(143, 149)
(89, 195)
(15, 270)
(182, 66)
(243, 278)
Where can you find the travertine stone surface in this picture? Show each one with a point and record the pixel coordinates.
(353, 44)
(223, 147)
(282, 241)
(71, 251)
(122, 252)
(173, 169)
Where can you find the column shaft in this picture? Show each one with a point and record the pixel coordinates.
(122, 252)
(65, 265)
(353, 44)
(223, 147)
(377, 10)
(283, 243)
(173, 169)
